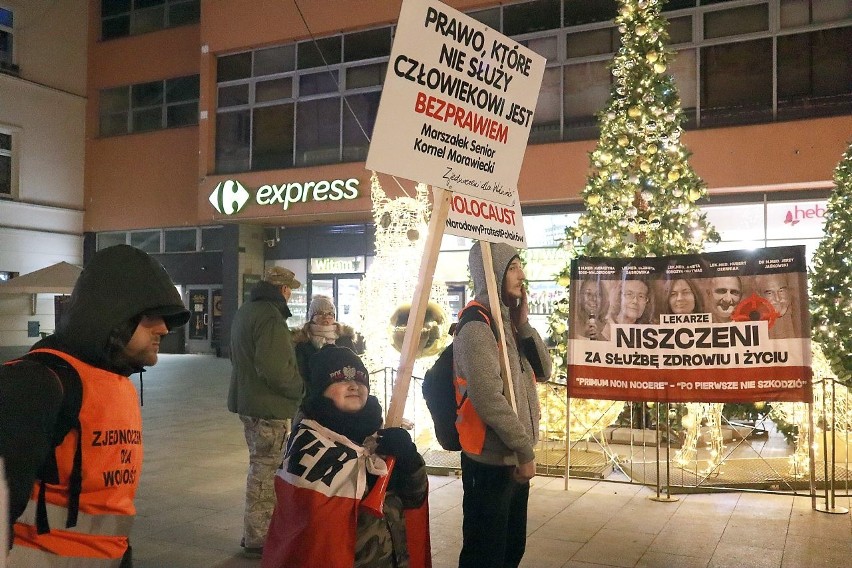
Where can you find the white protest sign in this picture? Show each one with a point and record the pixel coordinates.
(457, 104)
(484, 220)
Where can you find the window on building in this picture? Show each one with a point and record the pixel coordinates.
(547, 118)
(796, 13)
(149, 241)
(106, 240)
(180, 240)
(736, 21)
(736, 83)
(529, 17)
(736, 62)
(814, 72)
(7, 165)
(301, 104)
(212, 238)
(120, 18)
(6, 21)
(149, 106)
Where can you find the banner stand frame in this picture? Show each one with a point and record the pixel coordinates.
(658, 496)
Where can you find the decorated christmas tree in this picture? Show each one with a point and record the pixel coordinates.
(641, 192)
(832, 277)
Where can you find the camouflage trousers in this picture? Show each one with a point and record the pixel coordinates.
(265, 440)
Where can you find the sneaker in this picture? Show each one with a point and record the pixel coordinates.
(251, 551)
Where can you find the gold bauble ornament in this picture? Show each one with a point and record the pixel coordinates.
(633, 112)
(652, 149)
(433, 334)
(641, 30)
(694, 194)
(645, 167)
(593, 199)
(623, 141)
(651, 56)
(674, 175)
(659, 67)
(605, 157)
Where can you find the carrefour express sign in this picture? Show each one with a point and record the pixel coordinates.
(229, 197)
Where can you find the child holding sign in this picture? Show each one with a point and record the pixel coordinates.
(331, 464)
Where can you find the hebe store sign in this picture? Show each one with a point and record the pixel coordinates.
(229, 197)
(795, 219)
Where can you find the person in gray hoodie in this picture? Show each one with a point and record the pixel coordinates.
(498, 461)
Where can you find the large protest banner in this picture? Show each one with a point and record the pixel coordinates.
(727, 326)
(457, 104)
(456, 112)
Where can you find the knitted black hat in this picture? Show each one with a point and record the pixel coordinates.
(332, 364)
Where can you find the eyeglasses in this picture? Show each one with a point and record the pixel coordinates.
(324, 314)
(630, 296)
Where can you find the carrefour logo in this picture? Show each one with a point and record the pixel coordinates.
(229, 197)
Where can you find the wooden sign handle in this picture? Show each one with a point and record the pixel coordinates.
(494, 294)
(440, 211)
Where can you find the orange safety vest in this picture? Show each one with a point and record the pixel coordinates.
(109, 447)
(470, 426)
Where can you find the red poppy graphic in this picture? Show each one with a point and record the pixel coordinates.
(755, 308)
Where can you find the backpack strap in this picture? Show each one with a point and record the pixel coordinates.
(474, 311)
(69, 418)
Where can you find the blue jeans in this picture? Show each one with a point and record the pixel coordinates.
(494, 529)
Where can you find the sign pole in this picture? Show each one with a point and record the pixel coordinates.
(494, 301)
(440, 210)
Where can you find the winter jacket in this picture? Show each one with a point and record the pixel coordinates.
(36, 413)
(509, 437)
(305, 347)
(317, 521)
(265, 379)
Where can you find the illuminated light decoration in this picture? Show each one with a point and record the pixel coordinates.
(640, 193)
(388, 288)
(826, 397)
(698, 413)
(831, 277)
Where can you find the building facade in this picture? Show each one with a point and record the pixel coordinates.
(43, 46)
(192, 105)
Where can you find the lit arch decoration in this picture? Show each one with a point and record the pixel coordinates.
(388, 287)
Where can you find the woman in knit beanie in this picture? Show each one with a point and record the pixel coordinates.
(321, 329)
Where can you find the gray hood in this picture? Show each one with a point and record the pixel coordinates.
(502, 255)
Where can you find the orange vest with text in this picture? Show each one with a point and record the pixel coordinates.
(110, 453)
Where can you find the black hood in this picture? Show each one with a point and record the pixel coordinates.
(117, 285)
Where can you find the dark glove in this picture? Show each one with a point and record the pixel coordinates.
(397, 442)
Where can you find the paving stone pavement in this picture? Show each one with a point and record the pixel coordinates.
(190, 502)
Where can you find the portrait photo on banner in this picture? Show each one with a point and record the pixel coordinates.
(730, 324)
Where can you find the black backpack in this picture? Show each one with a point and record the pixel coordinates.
(439, 389)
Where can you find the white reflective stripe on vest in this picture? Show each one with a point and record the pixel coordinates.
(97, 525)
(26, 557)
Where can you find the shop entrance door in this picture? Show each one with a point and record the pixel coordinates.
(203, 331)
(344, 290)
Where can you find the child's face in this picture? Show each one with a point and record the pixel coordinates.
(348, 396)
